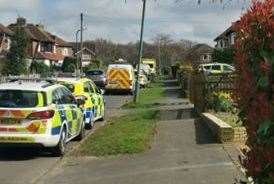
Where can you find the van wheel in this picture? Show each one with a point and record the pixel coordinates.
(60, 149)
(82, 133)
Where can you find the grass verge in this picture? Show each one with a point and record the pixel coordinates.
(148, 96)
(124, 135)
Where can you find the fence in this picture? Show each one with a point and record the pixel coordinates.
(200, 87)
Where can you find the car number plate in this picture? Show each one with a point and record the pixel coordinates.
(9, 121)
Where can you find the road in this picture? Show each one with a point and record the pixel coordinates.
(25, 166)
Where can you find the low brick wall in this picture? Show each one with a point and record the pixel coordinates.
(240, 135)
(223, 131)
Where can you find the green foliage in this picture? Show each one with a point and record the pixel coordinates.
(69, 65)
(95, 64)
(40, 68)
(124, 135)
(223, 56)
(220, 102)
(16, 64)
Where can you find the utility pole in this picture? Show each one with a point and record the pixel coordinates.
(81, 39)
(77, 54)
(137, 86)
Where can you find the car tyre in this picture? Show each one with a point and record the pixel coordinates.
(60, 149)
(89, 125)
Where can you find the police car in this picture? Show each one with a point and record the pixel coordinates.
(86, 90)
(39, 112)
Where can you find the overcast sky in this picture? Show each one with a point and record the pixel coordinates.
(120, 21)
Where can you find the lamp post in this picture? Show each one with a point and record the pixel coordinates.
(77, 61)
(137, 86)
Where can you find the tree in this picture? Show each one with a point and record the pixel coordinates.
(223, 55)
(69, 65)
(16, 58)
(40, 68)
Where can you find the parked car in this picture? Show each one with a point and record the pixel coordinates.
(143, 79)
(86, 90)
(39, 113)
(216, 68)
(98, 77)
(120, 77)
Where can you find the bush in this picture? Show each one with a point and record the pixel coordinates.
(223, 56)
(69, 65)
(221, 102)
(40, 68)
(254, 91)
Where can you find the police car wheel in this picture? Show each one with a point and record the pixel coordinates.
(103, 115)
(89, 126)
(60, 149)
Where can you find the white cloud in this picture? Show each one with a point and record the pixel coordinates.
(120, 21)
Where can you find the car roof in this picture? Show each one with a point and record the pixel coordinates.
(73, 80)
(28, 86)
(120, 66)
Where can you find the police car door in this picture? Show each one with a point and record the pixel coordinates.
(71, 110)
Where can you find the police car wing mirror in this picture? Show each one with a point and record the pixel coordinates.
(102, 91)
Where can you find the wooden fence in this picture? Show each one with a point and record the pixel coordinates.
(200, 87)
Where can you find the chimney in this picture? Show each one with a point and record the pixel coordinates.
(21, 21)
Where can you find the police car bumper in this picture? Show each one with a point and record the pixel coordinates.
(44, 140)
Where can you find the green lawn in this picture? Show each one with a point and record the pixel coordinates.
(124, 135)
(148, 96)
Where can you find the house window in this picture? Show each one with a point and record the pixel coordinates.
(46, 47)
(65, 52)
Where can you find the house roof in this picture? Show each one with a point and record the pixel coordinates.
(50, 56)
(193, 54)
(226, 32)
(5, 30)
(59, 41)
(85, 49)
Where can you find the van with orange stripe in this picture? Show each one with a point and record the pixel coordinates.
(120, 77)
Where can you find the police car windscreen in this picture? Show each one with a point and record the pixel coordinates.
(18, 98)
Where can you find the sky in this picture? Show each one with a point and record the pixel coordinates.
(120, 21)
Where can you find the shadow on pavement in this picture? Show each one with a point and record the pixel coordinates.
(203, 133)
(12, 153)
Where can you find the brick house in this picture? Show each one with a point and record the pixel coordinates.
(226, 39)
(198, 54)
(42, 45)
(5, 40)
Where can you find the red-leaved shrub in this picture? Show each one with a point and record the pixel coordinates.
(254, 92)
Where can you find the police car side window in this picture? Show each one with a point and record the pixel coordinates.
(86, 87)
(67, 97)
(56, 98)
(92, 88)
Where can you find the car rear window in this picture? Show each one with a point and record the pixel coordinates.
(95, 72)
(70, 86)
(18, 98)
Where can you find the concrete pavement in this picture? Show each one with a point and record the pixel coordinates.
(183, 152)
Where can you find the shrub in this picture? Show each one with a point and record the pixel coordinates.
(69, 65)
(254, 90)
(220, 102)
(40, 68)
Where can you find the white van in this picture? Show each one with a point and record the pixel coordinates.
(120, 77)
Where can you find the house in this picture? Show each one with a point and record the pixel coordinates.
(198, 54)
(87, 56)
(5, 40)
(42, 45)
(226, 39)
